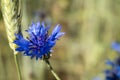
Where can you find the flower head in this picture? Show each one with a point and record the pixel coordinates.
(114, 72)
(116, 46)
(39, 44)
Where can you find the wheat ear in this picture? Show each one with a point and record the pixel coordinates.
(11, 11)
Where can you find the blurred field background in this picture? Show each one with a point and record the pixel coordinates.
(90, 26)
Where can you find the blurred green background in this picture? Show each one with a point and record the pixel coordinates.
(90, 26)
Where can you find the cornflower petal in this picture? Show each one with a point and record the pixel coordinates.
(56, 30)
(116, 46)
(56, 34)
(110, 63)
(59, 35)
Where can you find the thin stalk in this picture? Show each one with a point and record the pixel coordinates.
(17, 67)
(51, 69)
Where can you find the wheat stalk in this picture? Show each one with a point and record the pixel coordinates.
(11, 11)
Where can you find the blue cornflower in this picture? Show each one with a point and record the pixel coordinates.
(39, 44)
(116, 46)
(114, 72)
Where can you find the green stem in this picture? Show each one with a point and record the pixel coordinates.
(17, 66)
(51, 69)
